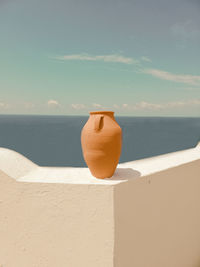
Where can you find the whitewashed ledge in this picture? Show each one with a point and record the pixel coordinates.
(146, 215)
(22, 169)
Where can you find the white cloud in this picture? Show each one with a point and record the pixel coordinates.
(147, 59)
(53, 103)
(125, 105)
(95, 105)
(105, 58)
(29, 105)
(180, 78)
(4, 105)
(194, 102)
(116, 106)
(78, 106)
(143, 105)
(147, 105)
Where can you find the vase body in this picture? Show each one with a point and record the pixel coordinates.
(101, 140)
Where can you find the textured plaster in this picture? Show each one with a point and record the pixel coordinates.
(146, 215)
(48, 225)
(157, 219)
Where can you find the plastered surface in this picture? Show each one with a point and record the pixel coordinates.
(48, 225)
(146, 215)
(157, 219)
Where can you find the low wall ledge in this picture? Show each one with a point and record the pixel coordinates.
(64, 216)
(21, 169)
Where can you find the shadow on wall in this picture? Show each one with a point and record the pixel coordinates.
(125, 174)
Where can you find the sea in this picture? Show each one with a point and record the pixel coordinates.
(55, 140)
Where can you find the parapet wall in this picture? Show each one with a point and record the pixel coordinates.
(146, 215)
(157, 219)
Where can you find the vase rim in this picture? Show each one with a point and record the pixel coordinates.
(102, 112)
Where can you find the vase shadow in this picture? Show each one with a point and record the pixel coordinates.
(125, 174)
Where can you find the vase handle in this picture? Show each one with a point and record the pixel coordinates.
(97, 122)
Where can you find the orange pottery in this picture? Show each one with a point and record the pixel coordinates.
(101, 140)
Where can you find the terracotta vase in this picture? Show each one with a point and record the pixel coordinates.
(101, 140)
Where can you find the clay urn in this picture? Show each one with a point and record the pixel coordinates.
(101, 140)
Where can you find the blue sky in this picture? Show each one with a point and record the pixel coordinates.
(139, 58)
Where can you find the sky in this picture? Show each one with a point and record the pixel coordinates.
(69, 57)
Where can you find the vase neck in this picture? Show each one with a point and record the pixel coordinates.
(106, 113)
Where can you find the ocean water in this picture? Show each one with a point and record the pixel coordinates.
(55, 140)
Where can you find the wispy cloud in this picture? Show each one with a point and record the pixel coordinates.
(115, 58)
(116, 106)
(98, 106)
(4, 105)
(164, 75)
(140, 106)
(180, 78)
(53, 103)
(146, 59)
(78, 106)
(144, 105)
(188, 103)
(125, 105)
(29, 105)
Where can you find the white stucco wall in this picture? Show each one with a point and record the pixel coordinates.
(146, 215)
(55, 224)
(157, 219)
